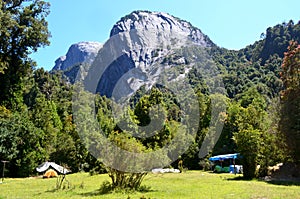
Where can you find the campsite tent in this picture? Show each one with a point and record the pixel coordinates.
(45, 166)
(50, 174)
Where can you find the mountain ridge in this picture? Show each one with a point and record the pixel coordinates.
(78, 53)
(138, 41)
(145, 38)
(196, 35)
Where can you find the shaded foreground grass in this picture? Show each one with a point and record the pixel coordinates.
(192, 184)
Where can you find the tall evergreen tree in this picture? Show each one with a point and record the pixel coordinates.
(23, 29)
(290, 110)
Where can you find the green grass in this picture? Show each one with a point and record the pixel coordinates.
(192, 184)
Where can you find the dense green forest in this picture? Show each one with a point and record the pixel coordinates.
(37, 121)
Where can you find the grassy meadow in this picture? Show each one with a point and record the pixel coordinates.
(191, 184)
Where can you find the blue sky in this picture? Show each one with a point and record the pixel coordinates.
(231, 24)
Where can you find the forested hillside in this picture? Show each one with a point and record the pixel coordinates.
(37, 122)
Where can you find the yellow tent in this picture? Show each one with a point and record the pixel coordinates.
(50, 174)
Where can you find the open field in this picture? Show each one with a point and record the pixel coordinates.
(192, 184)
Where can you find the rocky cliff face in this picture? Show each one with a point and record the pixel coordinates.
(145, 36)
(157, 26)
(136, 53)
(80, 53)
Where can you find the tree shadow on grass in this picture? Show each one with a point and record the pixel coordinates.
(107, 189)
(288, 182)
(92, 193)
(285, 182)
(238, 178)
(51, 190)
(54, 190)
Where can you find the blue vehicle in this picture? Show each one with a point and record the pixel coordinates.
(226, 163)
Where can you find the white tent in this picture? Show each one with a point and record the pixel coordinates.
(160, 170)
(45, 166)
